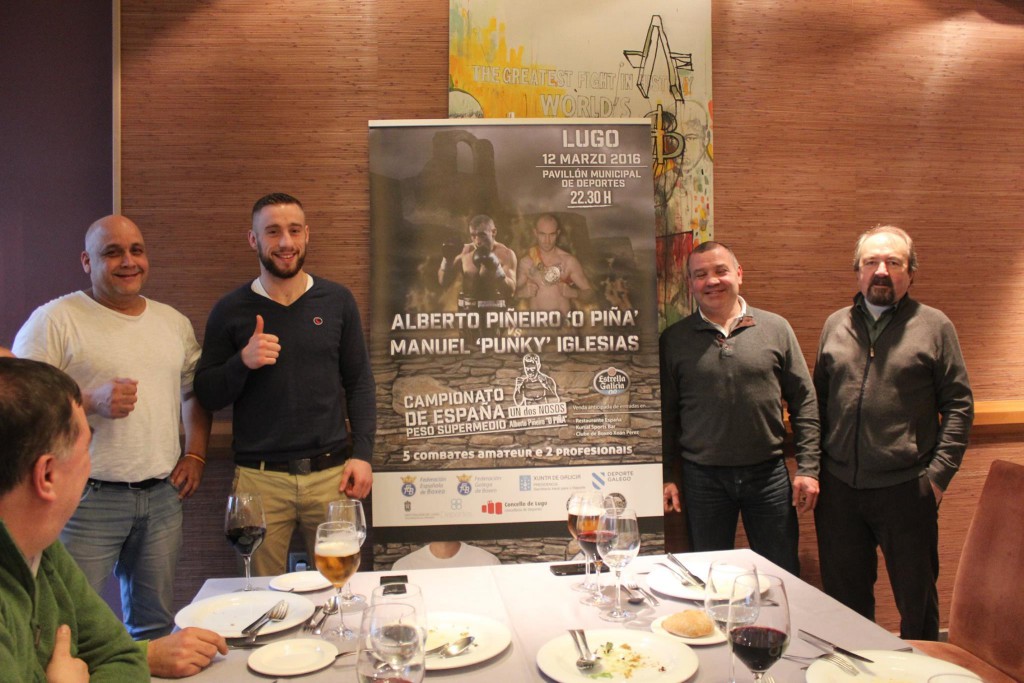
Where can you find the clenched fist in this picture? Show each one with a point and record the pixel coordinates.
(262, 349)
(115, 399)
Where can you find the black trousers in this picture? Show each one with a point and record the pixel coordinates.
(903, 521)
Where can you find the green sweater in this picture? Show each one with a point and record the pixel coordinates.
(31, 609)
(722, 397)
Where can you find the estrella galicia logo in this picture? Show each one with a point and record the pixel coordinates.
(464, 488)
(611, 382)
(408, 486)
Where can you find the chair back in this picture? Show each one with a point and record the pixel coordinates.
(986, 615)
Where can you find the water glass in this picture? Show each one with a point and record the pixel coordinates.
(390, 645)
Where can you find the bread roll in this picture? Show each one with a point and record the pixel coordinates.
(692, 623)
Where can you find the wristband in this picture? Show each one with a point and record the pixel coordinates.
(196, 457)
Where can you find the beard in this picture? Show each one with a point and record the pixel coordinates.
(881, 292)
(268, 262)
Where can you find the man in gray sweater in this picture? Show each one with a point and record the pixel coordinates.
(896, 409)
(725, 371)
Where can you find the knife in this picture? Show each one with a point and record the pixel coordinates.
(690, 575)
(263, 617)
(825, 645)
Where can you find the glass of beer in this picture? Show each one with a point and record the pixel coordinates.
(337, 559)
(245, 526)
(351, 511)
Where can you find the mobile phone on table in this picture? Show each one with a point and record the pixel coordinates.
(572, 569)
(395, 584)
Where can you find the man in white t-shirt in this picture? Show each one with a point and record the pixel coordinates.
(134, 359)
(445, 554)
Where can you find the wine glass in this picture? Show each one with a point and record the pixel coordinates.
(390, 646)
(718, 598)
(618, 543)
(337, 559)
(409, 593)
(587, 518)
(572, 506)
(350, 511)
(760, 642)
(245, 526)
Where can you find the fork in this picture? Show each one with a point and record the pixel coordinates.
(279, 612)
(634, 586)
(844, 664)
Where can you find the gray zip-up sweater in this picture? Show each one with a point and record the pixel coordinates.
(722, 397)
(880, 403)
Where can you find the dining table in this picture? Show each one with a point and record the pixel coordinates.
(537, 607)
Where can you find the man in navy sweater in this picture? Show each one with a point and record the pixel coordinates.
(286, 349)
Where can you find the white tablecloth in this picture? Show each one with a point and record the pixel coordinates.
(538, 606)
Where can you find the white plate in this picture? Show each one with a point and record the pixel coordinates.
(228, 614)
(889, 667)
(292, 657)
(665, 582)
(492, 637)
(714, 638)
(300, 582)
(663, 658)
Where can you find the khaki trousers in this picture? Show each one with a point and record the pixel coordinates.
(289, 500)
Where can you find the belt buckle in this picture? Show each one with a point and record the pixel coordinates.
(134, 486)
(303, 466)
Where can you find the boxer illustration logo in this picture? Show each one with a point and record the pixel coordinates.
(408, 486)
(533, 386)
(611, 382)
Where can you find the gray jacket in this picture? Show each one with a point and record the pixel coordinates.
(880, 404)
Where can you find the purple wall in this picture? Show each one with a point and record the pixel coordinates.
(55, 147)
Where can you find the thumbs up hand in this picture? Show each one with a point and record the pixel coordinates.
(262, 349)
(63, 667)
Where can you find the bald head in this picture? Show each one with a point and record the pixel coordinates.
(116, 261)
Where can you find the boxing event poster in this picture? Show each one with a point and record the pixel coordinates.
(600, 59)
(514, 325)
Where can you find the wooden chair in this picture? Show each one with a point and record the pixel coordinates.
(986, 616)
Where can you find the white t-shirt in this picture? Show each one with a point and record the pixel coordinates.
(94, 344)
(468, 556)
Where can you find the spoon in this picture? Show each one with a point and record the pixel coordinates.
(633, 598)
(587, 660)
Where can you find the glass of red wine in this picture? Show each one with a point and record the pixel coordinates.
(245, 525)
(760, 642)
(587, 535)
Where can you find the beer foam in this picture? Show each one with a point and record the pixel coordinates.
(337, 548)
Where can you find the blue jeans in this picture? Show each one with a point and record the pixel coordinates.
(137, 535)
(716, 496)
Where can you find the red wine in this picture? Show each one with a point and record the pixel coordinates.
(246, 539)
(758, 646)
(588, 540)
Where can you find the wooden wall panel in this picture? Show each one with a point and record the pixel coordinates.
(828, 119)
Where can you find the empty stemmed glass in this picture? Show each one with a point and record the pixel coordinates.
(350, 511)
(245, 526)
(618, 542)
(725, 609)
(760, 642)
(587, 518)
(390, 646)
(337, 558)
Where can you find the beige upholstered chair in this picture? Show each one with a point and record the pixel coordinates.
(986, 615)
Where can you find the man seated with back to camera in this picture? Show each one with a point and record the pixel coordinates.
(53, 625)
